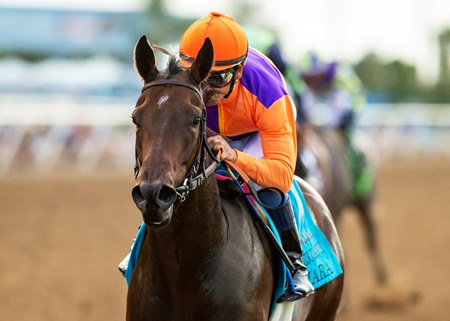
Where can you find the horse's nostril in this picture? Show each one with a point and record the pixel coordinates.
(166, 197)
(137, 196)
(162, 196)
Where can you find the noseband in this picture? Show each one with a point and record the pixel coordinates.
(190, 181)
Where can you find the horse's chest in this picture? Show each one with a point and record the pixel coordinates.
(223, 291)
(205, 310)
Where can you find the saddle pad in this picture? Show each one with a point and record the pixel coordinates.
(135, 249)
(318, 255)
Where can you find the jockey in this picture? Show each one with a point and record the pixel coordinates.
(248, 106)
(333, 95)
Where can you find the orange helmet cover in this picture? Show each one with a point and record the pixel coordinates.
(227, 36)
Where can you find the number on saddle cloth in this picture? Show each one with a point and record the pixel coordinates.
(318, 255)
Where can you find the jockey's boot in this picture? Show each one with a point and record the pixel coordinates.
(284, 220)
(302, 285)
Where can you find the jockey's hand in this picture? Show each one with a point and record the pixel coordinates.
(222, 148)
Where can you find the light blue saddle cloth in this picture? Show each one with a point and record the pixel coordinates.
(318, 256)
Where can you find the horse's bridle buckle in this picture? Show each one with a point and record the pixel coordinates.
(183, 190)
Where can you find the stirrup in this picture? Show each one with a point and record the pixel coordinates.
(291, 295)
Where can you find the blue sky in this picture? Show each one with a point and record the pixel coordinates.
(341, 29)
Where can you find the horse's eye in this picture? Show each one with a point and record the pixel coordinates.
(196, 121)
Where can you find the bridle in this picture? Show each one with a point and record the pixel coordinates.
(190, 181)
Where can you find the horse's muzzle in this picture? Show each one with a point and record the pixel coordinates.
(155, 202)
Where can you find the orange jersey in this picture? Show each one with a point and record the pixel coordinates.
(260, 103)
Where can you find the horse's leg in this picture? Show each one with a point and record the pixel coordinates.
(364, 206)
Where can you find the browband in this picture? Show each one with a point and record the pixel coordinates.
(165, 82)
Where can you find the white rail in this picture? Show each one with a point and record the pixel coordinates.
(47, 135)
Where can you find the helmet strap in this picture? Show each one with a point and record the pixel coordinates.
(232, 84)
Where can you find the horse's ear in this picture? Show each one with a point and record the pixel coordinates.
(202, 65)
(144, 60)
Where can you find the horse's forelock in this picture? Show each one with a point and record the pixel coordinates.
(173, 66)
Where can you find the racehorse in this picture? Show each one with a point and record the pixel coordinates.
(203, 257)
(335, 186)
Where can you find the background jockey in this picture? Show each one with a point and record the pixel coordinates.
(332, 97)
(248, 103)
(267, 42)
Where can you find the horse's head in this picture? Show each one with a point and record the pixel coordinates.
(170, 122)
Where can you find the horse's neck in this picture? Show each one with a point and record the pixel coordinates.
(198, 227)
(201, 216)
(183, 265)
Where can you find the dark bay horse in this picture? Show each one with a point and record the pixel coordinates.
(335, 186)
(204, 257)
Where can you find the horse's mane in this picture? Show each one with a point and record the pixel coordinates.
(173, 66)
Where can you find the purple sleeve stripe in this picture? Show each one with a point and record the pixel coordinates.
(263, 79)
(212, 118)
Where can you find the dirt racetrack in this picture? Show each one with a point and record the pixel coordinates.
(62, 236)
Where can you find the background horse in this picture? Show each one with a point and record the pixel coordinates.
(204, 257)
(334, 184)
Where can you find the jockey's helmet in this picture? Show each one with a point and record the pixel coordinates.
(227, 36)
(317, 73)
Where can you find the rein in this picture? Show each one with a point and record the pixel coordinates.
(190, 182)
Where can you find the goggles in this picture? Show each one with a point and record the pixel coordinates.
(220, 79)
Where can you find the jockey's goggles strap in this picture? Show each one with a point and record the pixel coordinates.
(218, 63)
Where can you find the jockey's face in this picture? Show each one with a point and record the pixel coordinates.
(218, 86)
(213, 96)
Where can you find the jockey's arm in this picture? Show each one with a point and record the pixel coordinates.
(279, 144)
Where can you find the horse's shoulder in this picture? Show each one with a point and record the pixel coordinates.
(232, 201)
